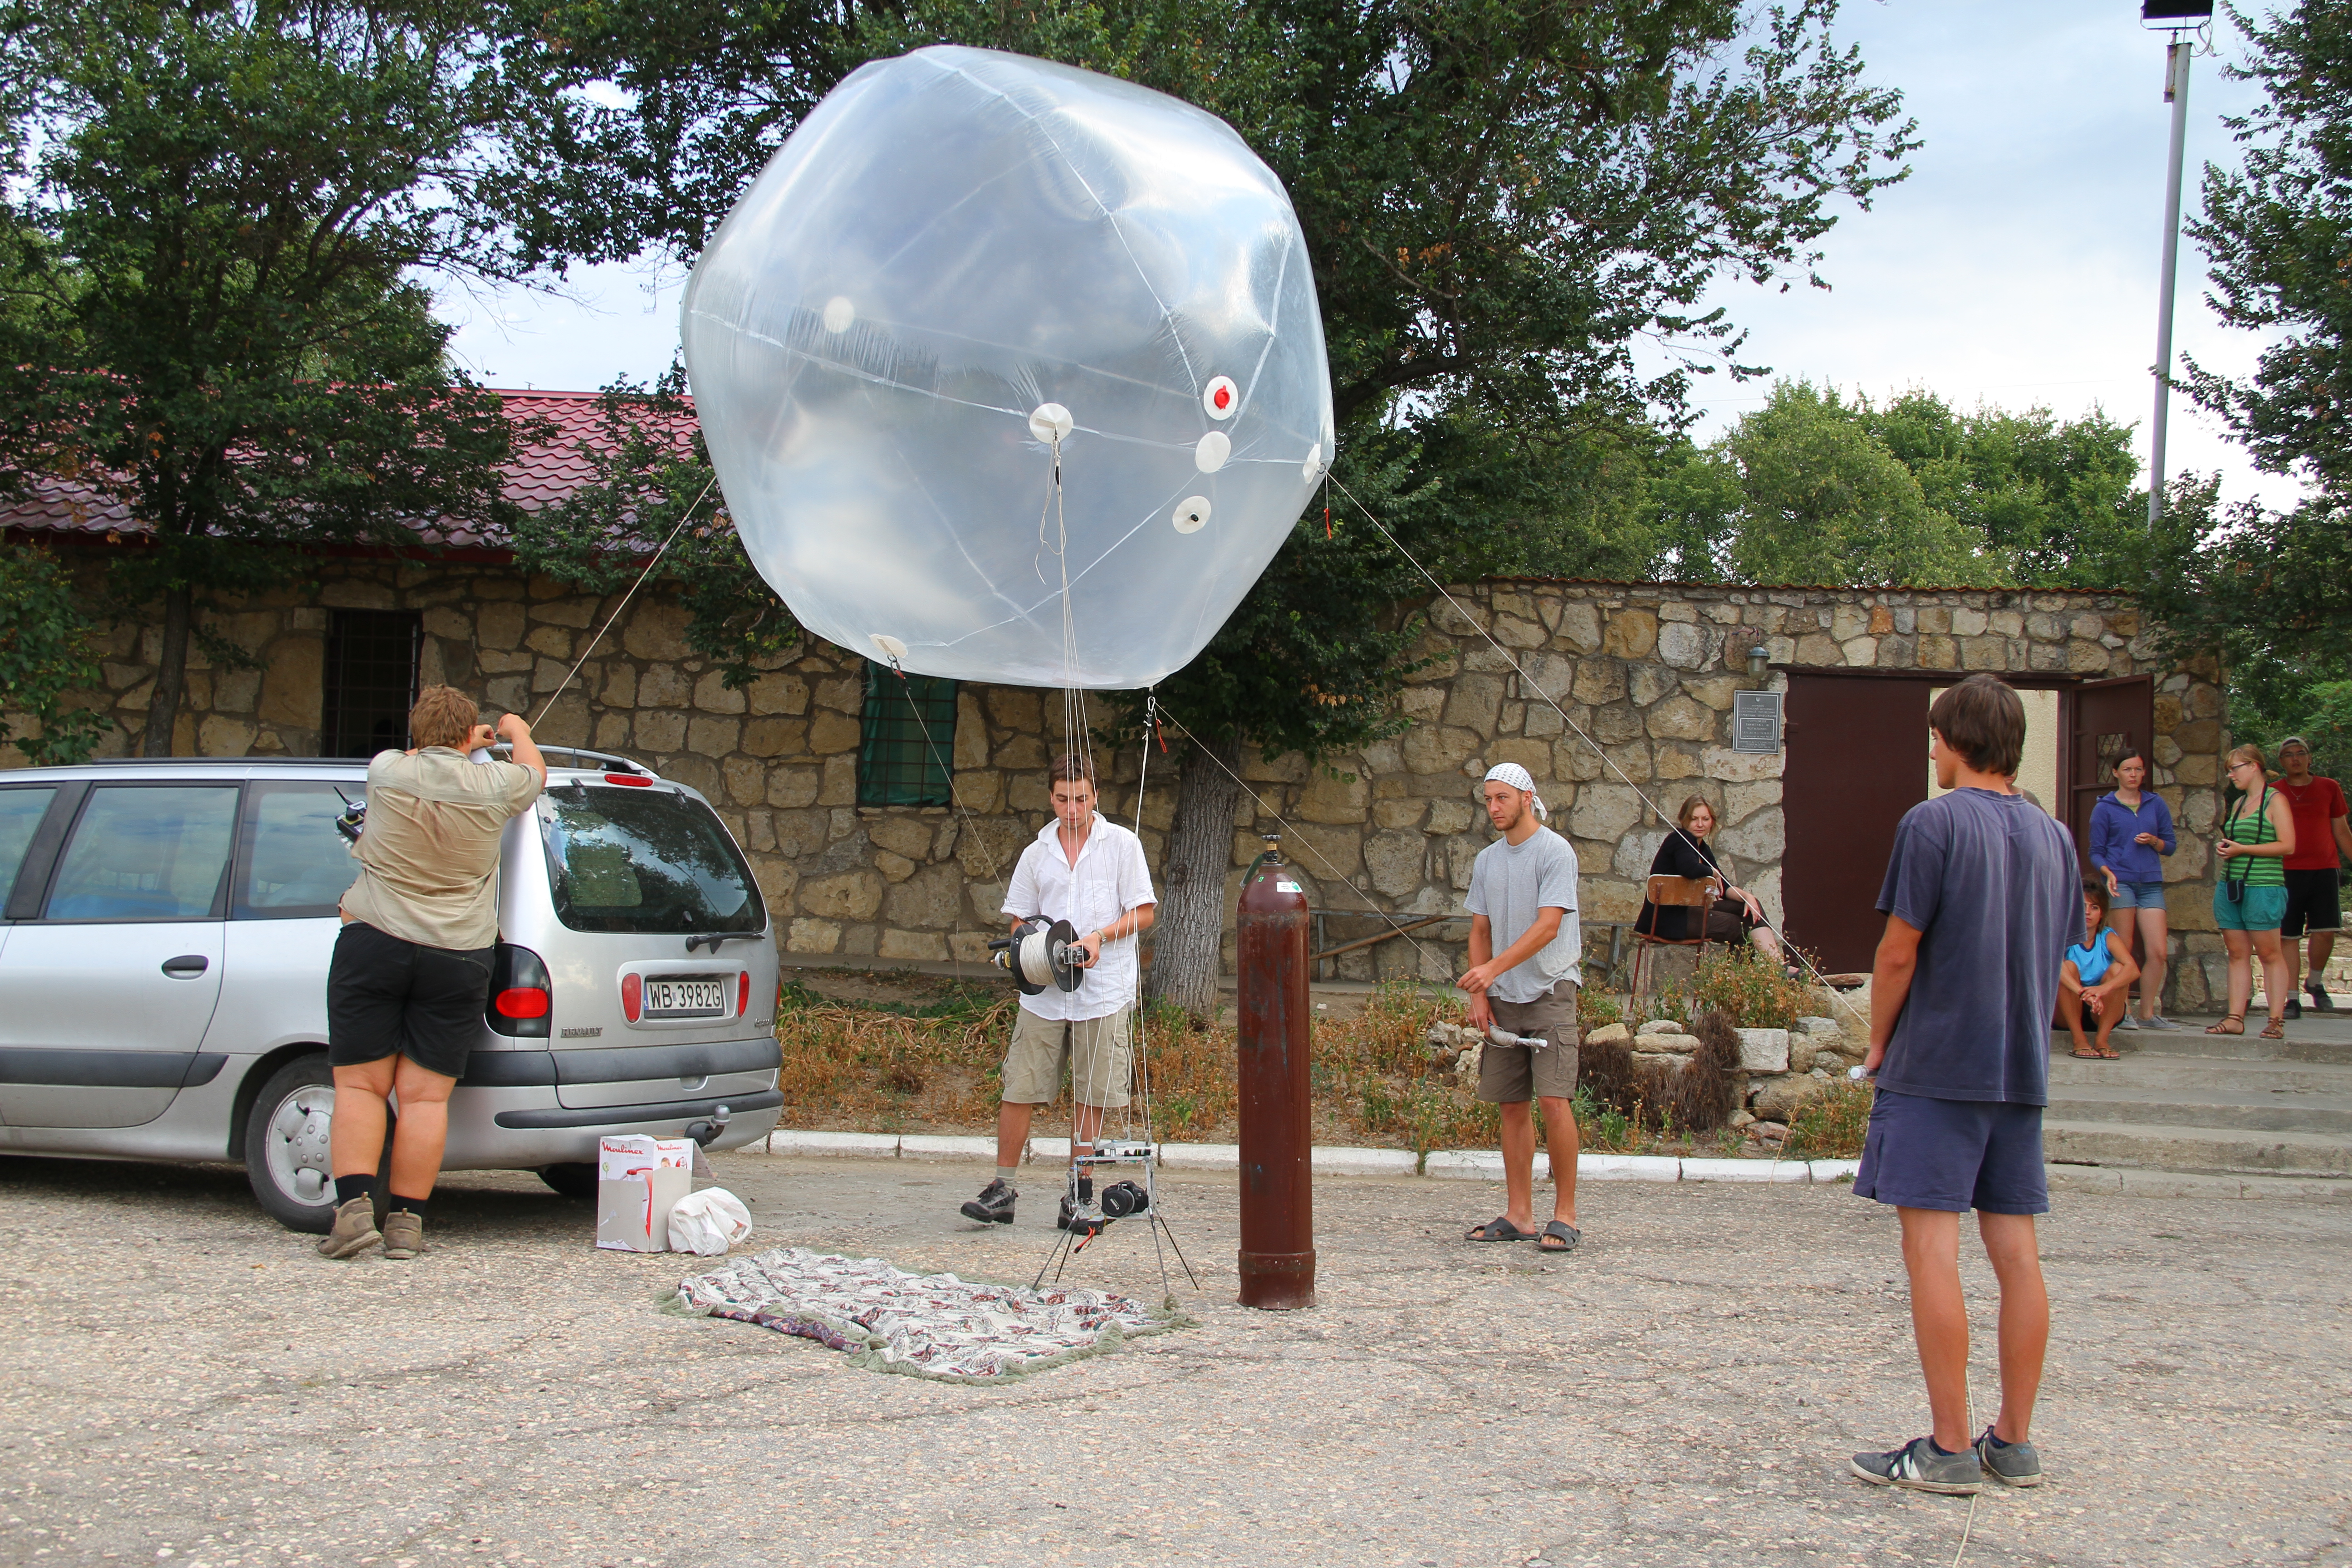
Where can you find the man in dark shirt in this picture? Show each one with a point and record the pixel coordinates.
(1981, 900)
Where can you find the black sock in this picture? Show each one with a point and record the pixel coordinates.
(414, 1206)
(1995, 1441)
(1938, 1449)
(349, 1187)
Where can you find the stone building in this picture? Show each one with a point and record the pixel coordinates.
(883, 817)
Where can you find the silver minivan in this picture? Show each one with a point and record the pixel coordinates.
(165, 928)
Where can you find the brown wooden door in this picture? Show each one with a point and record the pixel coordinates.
(1857, 759)
(2107, 721)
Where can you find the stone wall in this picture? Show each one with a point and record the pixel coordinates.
(1648, 671)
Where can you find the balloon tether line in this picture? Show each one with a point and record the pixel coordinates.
(566, 681)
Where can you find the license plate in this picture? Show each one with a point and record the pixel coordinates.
(667, 998)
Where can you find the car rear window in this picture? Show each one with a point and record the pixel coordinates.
(645, 861)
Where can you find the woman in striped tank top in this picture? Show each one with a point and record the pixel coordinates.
(2250, 897)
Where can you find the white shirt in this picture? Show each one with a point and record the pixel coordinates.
(1110, 879)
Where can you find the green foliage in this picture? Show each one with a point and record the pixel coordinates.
(1830, 1127)
(653, 475)
(45, 651)
(2276, 233)
(211, 314)
(1814, 488)
(1756, 993)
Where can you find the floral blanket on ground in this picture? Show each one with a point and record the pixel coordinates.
(931, 1325)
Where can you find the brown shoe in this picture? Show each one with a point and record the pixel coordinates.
(355, 1230)
(403, 1235)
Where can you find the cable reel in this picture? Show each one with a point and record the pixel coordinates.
(1039, 956)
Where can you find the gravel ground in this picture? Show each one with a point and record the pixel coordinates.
(189, 1384)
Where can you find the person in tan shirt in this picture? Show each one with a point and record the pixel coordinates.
(412, 966)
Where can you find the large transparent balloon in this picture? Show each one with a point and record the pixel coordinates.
(957, 255)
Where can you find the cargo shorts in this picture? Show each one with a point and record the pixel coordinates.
(1512, 1075)
(1095, 1050)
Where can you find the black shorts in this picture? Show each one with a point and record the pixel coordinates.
(2310, 903)
(387, 998)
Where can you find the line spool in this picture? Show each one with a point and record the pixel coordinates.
(1039, 956)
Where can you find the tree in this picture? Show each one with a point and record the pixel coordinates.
(212, 309)
(44, 653)
(1500, 198)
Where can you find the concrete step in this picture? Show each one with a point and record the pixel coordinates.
(2256, 1110)
(2171, 1146)
(2300, 1046)
(2196, 1075)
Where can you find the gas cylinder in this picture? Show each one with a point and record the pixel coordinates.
(1277, 1200)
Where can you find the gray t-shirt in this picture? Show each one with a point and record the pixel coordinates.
(1989, 882)
(1509, 883)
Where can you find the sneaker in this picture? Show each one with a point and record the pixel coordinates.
(1917, 1466)
(2294, 1008)
(2157, 1021)
(2017, 1464)
(1083, 1218)
(2127, 1022)
(403, 1235)
(2321, 1002)
(994, 1204)
(355, 1230)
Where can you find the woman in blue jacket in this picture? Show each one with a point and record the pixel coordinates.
(2131, 828)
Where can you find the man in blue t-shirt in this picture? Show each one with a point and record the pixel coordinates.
(1981, 900)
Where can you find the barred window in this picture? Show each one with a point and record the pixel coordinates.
(906, 735)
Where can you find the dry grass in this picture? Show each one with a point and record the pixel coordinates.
(930, 1063)
(1831, 1128)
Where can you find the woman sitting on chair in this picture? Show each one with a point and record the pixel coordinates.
(1686, 853)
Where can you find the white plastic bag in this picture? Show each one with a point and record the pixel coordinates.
(708, 1222)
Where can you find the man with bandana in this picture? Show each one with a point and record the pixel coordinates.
(1524, 946)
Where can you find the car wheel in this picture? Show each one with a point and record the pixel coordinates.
(575, 1179)
(286, 1148)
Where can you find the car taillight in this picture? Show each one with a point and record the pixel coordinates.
(742, 992)
(633, 996)
(631, 780)
(521, 1002)
(522, 996)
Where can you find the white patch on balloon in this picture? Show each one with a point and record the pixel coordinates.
(892, 649)
(1051, 422)
(839, 313)
(1211, 454)
(1191, 514)
(1222, 398)
(1312, 468)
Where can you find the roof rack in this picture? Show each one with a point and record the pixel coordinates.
(609, 761)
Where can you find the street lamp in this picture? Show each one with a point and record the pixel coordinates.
(2180, 18)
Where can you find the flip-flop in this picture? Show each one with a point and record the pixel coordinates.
(1567, 1234)
(2087, 1056)
(1499, 1228)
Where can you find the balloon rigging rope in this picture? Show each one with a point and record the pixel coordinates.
(683, 519)
(1527, 683)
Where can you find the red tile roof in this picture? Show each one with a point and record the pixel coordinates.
(540, 473)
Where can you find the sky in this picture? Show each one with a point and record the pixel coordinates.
(2017, 267)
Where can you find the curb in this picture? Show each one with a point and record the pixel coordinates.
(1440, 1164)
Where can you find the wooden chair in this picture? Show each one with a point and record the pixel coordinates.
(1696, 894)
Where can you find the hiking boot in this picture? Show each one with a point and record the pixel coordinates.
(403, 1235)
(1917, 1466)
(2321, 1002)
(1083, 1218)
(2294, 1008)
(2017, 1464)
(355, 1230)
(994, 1204)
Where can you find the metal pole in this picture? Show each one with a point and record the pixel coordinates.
(1278, 1250)
(2176, 93)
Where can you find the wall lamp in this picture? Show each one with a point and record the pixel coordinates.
(1758, 662)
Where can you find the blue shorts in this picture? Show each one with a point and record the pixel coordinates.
(2258, 908)
(1954, 1154)
(2138, 896)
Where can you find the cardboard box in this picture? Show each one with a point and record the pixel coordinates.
(638, 1181)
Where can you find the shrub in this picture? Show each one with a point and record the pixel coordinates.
(1831, 1127)
(1748, 987)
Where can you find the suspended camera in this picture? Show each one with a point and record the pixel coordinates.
(1122, 1199)
(1039, 956)
(353, 820)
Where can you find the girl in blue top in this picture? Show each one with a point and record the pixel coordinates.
(2130, 830)
(2096, 974)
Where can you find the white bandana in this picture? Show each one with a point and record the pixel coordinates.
(1519, 778)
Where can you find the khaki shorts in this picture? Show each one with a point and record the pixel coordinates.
(1511, 1075)
(1042, 1047)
